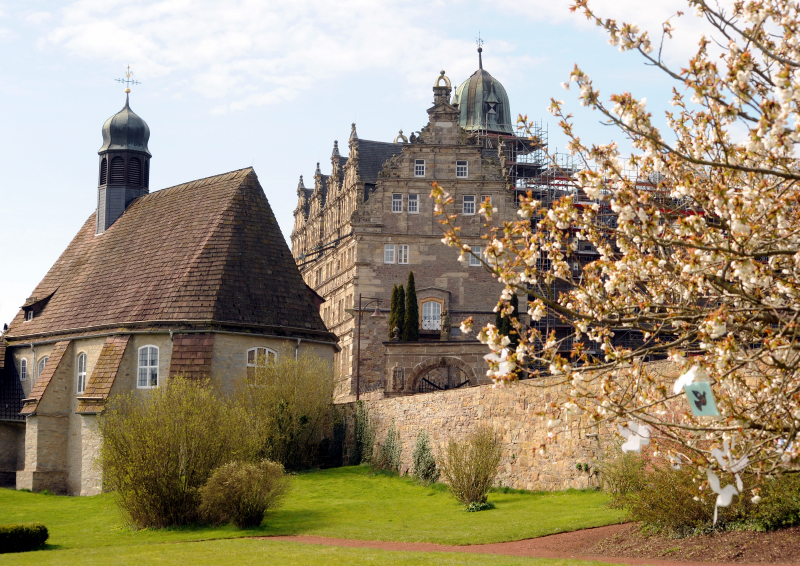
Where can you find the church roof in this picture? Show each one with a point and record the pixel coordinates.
(205, 253)
(371, 157)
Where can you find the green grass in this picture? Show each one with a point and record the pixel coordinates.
(345, 502)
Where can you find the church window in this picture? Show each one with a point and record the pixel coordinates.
(23, 369)
(402, 253)
(419, 167)
(148, 367)
(469, 204)
(103, 171)
(40, 368)
(432, 315)
(135, 171)
(118, 171)
(258, 358)
(474, 261)
(81, 373)
(413, 204)
(397, 202)
(388, 253)
(461, 168)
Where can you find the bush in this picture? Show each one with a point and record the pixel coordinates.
(364, 436)
(780, 503)
(389, 456)
(159, 447)
(470, 466)
(289, 404)
(20, 538)
(622, 475)
(425, 470)
(241, 492)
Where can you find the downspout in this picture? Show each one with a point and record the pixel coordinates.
(296, 349)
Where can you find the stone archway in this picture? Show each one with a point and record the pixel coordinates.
(440, 374)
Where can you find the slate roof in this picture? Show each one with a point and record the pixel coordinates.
(204, 253)
(371, 157)
(10, 388)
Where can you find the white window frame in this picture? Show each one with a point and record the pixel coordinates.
(81, 364)
(29, 315)
(473, 261)
(389, 255)
(270, 357)
(419, 167)
(148, 368)
(415, 200)
(397, 202)
(462, 168)
(430, 321)
(23, 369)
(402, 253)
(468, 205)
(41, 365)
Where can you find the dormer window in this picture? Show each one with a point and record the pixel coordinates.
(28, 315)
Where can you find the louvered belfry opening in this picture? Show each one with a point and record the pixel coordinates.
(103, 171)
(135, 171)
(118, 171)
(146, 173)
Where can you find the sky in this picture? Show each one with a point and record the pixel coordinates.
(269, 84)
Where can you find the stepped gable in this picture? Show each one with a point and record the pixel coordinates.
(11, 393)
(371, 157)
(208, 252)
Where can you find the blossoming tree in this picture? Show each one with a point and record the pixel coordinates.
(702, 261)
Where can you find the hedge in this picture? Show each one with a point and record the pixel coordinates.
(19, 538)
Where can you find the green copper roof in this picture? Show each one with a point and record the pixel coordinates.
(483, 103)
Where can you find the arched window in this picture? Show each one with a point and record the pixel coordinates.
(259, 358)
(118, 171)
(81, 373)
(135, 171)
(147, 376)
(103, 171)
(23, 369)
(40, 367)
(432, 315)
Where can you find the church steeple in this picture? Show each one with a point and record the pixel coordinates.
(124, 165)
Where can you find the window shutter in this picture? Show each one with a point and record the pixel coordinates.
(117, 171)
(135, 171)
(103, 171)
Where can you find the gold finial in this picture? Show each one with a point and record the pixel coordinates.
(128, 81)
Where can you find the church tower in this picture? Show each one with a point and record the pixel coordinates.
(124, 165)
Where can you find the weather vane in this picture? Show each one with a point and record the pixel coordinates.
(128, 81)
(479, 41)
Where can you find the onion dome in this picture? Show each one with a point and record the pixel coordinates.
(483, 103)
(125, 130)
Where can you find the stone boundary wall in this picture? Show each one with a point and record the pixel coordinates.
(519, 412)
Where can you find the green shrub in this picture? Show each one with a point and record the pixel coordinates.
(160, 446)
(241, 492)
(425, 470)
(470, 466)
(622, 475)
(389, 456)
(20, 538)
(780, 503)
(364, 440)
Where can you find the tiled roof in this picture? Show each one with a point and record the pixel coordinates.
(191, 355)
(205, 252)
(371, 157)
(103, 375)
(43, 380)
(10, 388)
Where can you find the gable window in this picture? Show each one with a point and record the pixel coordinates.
(474, 261)
(388, 253)
(413, 204)
(397, 202)
(419, 167)
(81, 373)
(469, 204)
(40, 367)
(432, 315)
(148, 367)
(23, 369)
(29, 315)
(461, 168)
(402, 253)
(258, 358)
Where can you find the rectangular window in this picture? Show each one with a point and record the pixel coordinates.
(402, 253)
(461, 168)
(397, 202)
(413, 204)
(473, 261)
(486, 198)
(148, 367)
(419, 167)
(388, 253)
(469, 204)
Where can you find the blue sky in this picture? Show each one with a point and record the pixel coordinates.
(226, 85)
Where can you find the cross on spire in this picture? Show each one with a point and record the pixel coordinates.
(479, 43)
(128, 81)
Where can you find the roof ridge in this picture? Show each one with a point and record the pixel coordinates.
(205, 180)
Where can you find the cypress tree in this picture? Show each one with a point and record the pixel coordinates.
(393, 312)
(411, 326)
(401, 309)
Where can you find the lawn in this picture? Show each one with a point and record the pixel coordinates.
(344, 502)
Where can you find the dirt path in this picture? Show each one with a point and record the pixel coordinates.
(580, 545)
